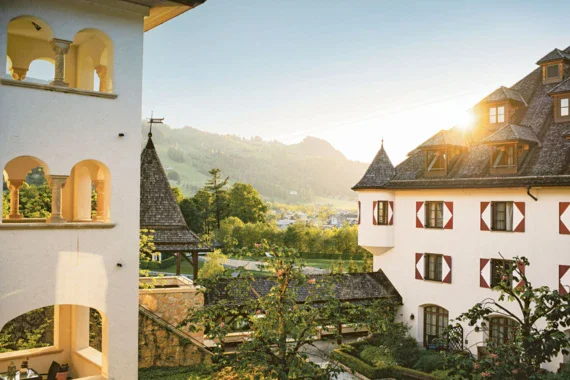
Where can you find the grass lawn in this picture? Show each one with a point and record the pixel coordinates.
(185, 268)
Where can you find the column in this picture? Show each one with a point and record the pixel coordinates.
(57, 182)
(60, 48)
(100, 190)
(14, 186)
(19, 73)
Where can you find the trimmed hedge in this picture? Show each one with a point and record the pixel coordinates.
(158, 264)
(372, 372)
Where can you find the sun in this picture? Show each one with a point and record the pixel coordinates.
(465, 120)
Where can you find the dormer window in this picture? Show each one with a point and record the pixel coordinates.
(552, 71)
(504, 156)
(436, 162)
(497, 115)
(561, 107)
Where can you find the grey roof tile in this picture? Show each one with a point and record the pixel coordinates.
(561, 88)
(503, 93)
(511, 133)
(554, 55)
(379, 172)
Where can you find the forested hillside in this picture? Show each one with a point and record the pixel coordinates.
(294, 173)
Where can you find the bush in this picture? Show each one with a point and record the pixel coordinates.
(158, 264)
(377, 356)
(430, 361)
(403, 347)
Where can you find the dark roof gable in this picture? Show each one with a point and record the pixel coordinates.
(554, 55)
(512, 133)
(503, 93)
(561, 88)
(379, 172)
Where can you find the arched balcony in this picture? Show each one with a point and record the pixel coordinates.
(94, 68)
(87, 195)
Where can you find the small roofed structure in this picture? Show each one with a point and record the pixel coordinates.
(513, 133)
(379, 172)
(160, 212)
(503, 94)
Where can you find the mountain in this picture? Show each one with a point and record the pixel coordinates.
(297, 173)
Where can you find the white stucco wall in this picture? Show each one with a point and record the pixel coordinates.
(541, 243)
(46, 267)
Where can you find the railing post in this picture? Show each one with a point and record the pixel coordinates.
(57, 182)
(60, 48)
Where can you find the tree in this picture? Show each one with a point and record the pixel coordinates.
(5, 204)
(246, 203)
(215, 186)
(352, 267)
(214, 265)
(177, 194)
(339, 268)
(35, 201)
(531, 345)
(281, 323)
(192, 215)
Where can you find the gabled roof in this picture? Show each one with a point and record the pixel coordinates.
(554, 55)
(159, 210)
(513, 133)
(348, 287)
(562, 87)
(450, 137)
(503, 93)
(379, 172)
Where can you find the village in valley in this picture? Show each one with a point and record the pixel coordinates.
(155, 250)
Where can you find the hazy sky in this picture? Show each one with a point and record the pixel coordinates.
(350, 72)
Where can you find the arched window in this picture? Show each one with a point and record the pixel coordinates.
(436, 320)
(88, 192)
(28, 40)
(502, 329)
(41, 71)
(94, 60)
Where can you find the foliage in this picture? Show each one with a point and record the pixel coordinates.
(33, 329)
(214, 265)
(173, 176)
(521, 356)
(5, 204)
(430, 361)
(352, 267)
(175, 154)
(395, 338)
(35, 201)
(201, 371)
(95, 329)
(246, 204)
(216, 187)
(377, 356)
(146, 249)
(177, 194)
(165, 263)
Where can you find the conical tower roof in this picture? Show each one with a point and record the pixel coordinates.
(379, 173)
(159, 210)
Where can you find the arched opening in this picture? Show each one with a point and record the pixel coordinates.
(28, 40)
(87, 196)
(57, 333)
(26, 191)
(94, 60)
(436, 319)
(41, 71)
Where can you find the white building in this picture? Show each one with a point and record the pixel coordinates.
(438, 223)
(83, 130)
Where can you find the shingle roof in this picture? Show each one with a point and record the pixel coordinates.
(503, 93)
(512, 132)
(554, 55)
(158, 208)
(379, 172)
(450, 137)
(547, 163)
(352, 287)
(562, 87)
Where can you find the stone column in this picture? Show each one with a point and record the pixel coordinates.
(101, 71)
(57, 182)
(60, 48)
(15, 185)
(100, 190)
(19, 73)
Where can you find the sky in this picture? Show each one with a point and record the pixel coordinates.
(350, 72)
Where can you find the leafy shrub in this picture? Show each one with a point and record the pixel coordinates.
(401, 345)
(377, 356)
(158, 264)
(430, 361)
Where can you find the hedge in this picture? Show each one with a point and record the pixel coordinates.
(332, 256)
(372, 372)
(158, 264)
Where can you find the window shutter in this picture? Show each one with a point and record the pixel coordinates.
(374, 212)
(520, 281)
(358, 222)
(391, 212)
(564, 214)
(563, 279)
(448, 215)
(518, 217)
(446, 270)
(485, 273)
(420, 214)
(485, 216)
(420, 266)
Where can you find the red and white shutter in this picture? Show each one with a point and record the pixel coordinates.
(446, 269)
(564, 214)
(563, 279)
(447, 215)
(420, 266)
(518, 216)
(485, 216)
(374, 212)
(391, 213)
(520, 281)
(420, 214)
(485, 273)
(358, 213)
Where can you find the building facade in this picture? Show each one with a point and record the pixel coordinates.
(82, 130)
(441, 223)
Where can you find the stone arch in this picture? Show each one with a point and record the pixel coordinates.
(88, 177)
(28, 39)
(95, 55)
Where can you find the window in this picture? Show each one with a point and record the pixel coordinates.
(434, 214)
(497, 115)
(504, 156)
(502, 330)
(553, 71)
(382, 213)
(433, 265)
(435, 160)
(502, 213)
(499, 269)
(564, 107)
(436, 320)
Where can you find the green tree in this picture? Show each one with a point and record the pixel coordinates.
(5, 204)
(35, 201)
(216, 187)
(33, 329)
(352, 267)
(192, 215)
(339, 266)
(177, 194)
(214, 265)
(246, 203)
